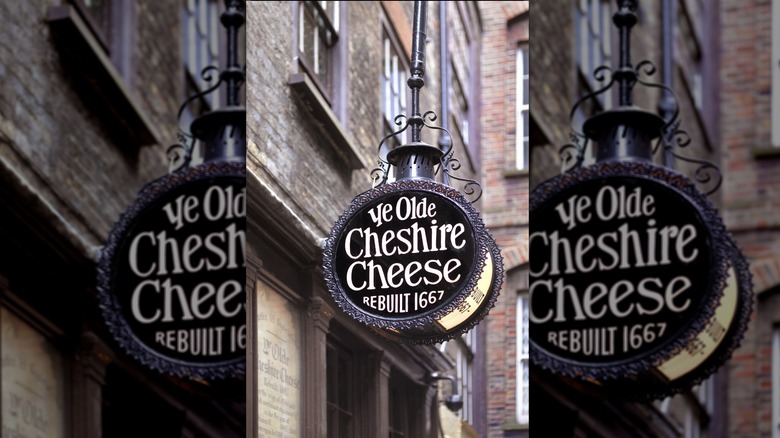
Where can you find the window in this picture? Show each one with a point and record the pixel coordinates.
(462, 351)
(690, 26)
(200, 45)
(521, 140)
(405, 406)
(522, 358)
(111, 23)
(318, 33)
(201, 30)
(399, 423)
(593, 45)
(340, 401)
(393, 83)
(691, 412)
(463, 45)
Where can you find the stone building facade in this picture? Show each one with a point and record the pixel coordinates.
(90, 94)
(579, 37)
(325, 81)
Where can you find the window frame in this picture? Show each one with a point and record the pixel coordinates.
(775, 77)
(329, 86)
(341, 351)
(116, 36)
(593, 30)
(465, 23)
(393, 53)
(522, 131)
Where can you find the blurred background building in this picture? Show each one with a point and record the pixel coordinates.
(325, 81)
(750, 147)
(89, 92)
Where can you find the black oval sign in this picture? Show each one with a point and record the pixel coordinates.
(406, 259)
(626, 268)
(404, 254)
(173, 270)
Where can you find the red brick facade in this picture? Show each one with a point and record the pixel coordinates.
(504, 204)
(750, 196)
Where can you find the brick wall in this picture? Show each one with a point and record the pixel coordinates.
(750, 200)
(504, 203)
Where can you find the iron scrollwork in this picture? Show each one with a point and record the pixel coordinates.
(448, 164)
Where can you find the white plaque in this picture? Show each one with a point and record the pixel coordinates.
(33, 383)
(279, 365)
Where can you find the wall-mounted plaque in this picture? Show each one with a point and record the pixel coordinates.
(279, 364)
(33, 382)
(172, 272)
(628, 271)
(413, 260)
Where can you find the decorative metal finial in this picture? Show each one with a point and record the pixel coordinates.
(221, 131)
(627, 132)
(417, 159)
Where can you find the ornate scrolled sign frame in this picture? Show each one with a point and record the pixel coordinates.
(458, 306)
(227, 361)
(721, 258)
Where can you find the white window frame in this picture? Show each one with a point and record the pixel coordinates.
(522, 385)
(522, 140)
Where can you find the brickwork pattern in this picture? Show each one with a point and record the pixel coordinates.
(505, 202)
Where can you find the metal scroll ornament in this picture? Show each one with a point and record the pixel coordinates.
(411, 258)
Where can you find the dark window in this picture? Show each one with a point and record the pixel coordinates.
(340, 400)
(201, 30)
(399, 410)
(593, 45)
(112, 23)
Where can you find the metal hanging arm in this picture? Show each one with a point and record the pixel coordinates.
(625, 19)
(233, 74)
(417, 69)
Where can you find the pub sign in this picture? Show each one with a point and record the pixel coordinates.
(635, 284)
(413, 260)
(171, 275)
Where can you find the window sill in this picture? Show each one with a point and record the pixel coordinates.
(514, 173)
(320, 110)
(760, 152)
(100, 85)
(513, 425)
